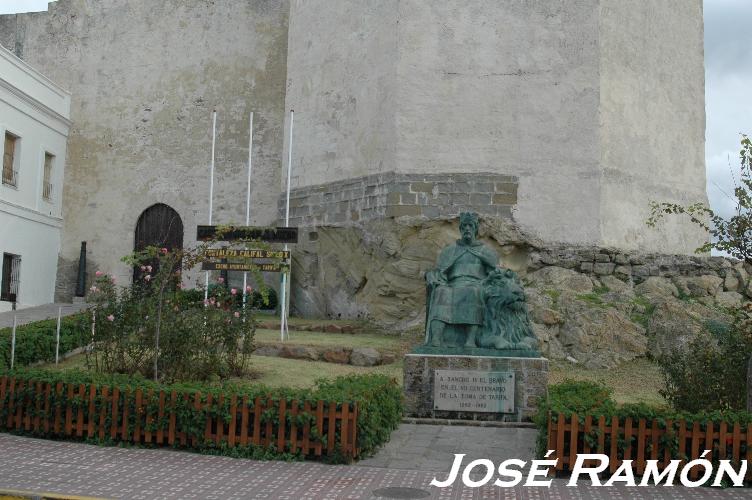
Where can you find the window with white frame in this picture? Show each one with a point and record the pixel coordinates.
(49, 160)
(10, 160)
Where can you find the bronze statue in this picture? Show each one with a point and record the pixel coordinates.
(473, 303)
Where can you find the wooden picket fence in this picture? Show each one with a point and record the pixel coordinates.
(309, 427)
(641, 440)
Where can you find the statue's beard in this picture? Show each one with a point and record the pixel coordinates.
(467, 237)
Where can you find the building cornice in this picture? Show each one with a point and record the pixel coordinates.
(30, 214)
(36, 104)
(33, 72)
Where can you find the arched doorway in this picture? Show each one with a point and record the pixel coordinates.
(159, 226)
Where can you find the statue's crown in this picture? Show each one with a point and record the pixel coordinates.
(470, 217)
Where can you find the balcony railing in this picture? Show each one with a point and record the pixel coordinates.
(10, 177)
(47, 191)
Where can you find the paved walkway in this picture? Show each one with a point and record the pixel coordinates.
(38, 313)
(36, 465)
(432, 447)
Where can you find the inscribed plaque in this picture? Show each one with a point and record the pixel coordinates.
(473, 391)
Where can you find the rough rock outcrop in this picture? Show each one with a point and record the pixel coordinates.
(597, 306)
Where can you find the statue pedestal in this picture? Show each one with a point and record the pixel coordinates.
(474, 387)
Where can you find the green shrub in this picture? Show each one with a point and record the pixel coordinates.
(153, 328)
(35, 342)
(379, 401)
(571, 396)
(378, 398)
(594, 400)
(710, 373)
(195, 297)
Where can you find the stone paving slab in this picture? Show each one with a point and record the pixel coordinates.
(78, 469)
(38, 313)
(432, 447)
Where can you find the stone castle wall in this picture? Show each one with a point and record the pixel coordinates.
(595, 106)
(578, 113)
(388, 195)
(145, 77)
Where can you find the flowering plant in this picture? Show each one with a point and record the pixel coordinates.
(155, 328)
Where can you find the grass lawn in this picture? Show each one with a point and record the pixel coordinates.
(267, 317)
(281, 372)
(637, 381)
(390, 343)
(633, 382)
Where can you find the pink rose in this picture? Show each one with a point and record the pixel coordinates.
(148, 269)
(206, 302)
(212, 300)
(110, 318)
(98, 274)
(147, 277)
(143, 268)
(220, 280)
(234, 291)
(164, 251)
(248, 289)
(237, 314)
(93, 289)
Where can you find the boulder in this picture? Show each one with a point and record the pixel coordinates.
(299, 352)
(598, 336)
(655, 288)
(388, 358)
(699, 286)
(341, 356)
(558, 278)
(268, 350)
(729, 300)
(731, 283)
(672, 326)
(365, 356)
(614, 284)
(545, 316)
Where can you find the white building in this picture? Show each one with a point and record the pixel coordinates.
(34, 127)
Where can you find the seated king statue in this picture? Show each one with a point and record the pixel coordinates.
(473, 303)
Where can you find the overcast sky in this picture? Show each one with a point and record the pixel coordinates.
(728, 86)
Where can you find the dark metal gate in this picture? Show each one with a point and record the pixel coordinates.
(159, 226)
(11, 277)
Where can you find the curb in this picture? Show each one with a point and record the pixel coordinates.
(35, 495)
(467, 423)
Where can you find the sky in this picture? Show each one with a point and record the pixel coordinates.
(728, 81)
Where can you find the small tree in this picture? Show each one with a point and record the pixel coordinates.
(710, 373)
(154, 328)
(732, 235)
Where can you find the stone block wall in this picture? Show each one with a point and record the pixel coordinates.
(391, 194)
(635, 267)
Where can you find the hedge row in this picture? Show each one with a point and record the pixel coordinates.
(35, 342)
(588, 398)
(195, 408)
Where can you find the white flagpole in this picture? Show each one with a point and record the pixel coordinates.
(13, 344)
(211, 192)
(283, 330)
(248, 204)
(57, 335)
